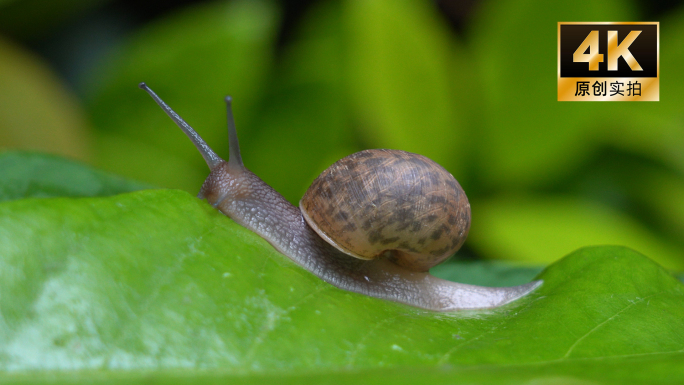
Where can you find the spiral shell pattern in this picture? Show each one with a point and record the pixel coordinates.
(389, 203)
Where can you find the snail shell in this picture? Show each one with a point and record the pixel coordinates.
(389, 203)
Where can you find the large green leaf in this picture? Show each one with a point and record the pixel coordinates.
(158, 284)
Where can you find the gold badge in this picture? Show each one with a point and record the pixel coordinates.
(608, 61)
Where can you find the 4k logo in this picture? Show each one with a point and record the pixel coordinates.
(608, 61)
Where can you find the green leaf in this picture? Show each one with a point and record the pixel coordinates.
(302, 118)
(651, 193)
(399, 64)
(24, 175)
(485, 273)
(157, 285)
(192, 59)
(655, 129)
(358, 75)
(526, 136)
(541, 229)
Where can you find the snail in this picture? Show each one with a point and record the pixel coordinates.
(373, 223)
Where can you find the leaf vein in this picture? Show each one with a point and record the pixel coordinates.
(265, 330)
(595, 328)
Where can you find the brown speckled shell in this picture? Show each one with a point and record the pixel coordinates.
(375, 201)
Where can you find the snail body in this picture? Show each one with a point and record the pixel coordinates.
(380, 245)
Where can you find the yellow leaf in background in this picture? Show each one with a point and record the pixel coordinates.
(37, 112)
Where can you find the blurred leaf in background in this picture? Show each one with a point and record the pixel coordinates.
(315, 81)
(191, 58)
(37, 111)
(528, 138)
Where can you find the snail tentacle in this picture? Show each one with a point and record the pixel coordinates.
(234, 156)
(207, 153)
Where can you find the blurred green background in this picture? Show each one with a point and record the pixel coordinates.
(470, 84)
